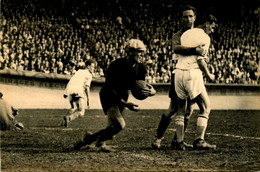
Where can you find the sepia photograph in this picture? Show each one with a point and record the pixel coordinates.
(129, 85)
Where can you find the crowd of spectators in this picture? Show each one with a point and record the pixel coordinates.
(36, 36)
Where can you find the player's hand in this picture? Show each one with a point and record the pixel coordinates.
(132, 106)
(148, 92)
(211, 77)
(151, 89)
(201, 50)
(65, 96)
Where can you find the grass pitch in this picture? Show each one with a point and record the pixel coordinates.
(45, 146)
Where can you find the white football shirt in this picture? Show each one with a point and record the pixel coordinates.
(78, 82)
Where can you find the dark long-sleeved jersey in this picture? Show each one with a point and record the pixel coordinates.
(120, 78)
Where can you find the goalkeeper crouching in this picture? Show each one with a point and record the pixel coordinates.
(120, 78)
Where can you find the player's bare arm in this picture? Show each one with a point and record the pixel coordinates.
(199, 50)
(87, 95)
(203, 67)
(131, 106)
(183, 50)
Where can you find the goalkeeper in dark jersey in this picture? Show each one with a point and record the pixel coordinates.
(120, 78)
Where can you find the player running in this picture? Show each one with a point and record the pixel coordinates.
(77, 92)
(120, 78)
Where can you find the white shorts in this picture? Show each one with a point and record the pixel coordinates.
(75, 92)
(188, 83)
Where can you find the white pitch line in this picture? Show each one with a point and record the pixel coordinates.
(235, 136)
(226, 135)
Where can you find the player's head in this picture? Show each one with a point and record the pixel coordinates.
(90, 65)
(134, 49)
(208, 23)
(188, 16)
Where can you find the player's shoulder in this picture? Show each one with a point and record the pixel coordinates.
(119, 62)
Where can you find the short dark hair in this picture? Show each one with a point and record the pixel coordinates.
(189, 7)
(207, 18)
(89, 62)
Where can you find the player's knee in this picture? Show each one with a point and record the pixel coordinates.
(205, 110)
(118, 126)
(170, 113)
(208, 109)
(172, 110)
(188, 114)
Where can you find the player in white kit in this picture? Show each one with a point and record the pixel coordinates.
(77, 92)
(7, 116)
(189, 82)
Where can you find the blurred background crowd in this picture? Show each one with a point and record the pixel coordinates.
(58, 36)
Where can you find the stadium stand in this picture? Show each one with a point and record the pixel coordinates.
(55, 37)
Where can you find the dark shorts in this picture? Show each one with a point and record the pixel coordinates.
(75, 97)
(109, 100)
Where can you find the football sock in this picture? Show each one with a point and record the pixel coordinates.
(202, 123)
(179, 122)
(163, 125)
(109, 132)
(186, 123)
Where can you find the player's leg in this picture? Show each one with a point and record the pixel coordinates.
(167, 117)
(5, 123)
(116, 123)
(72, 109)
(80, 111)
(188, 113)
(163, 125)
(77, 110)
(7, 119)
(179, 122)
(202, 121)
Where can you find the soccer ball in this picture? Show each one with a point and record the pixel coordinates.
(138, 87)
